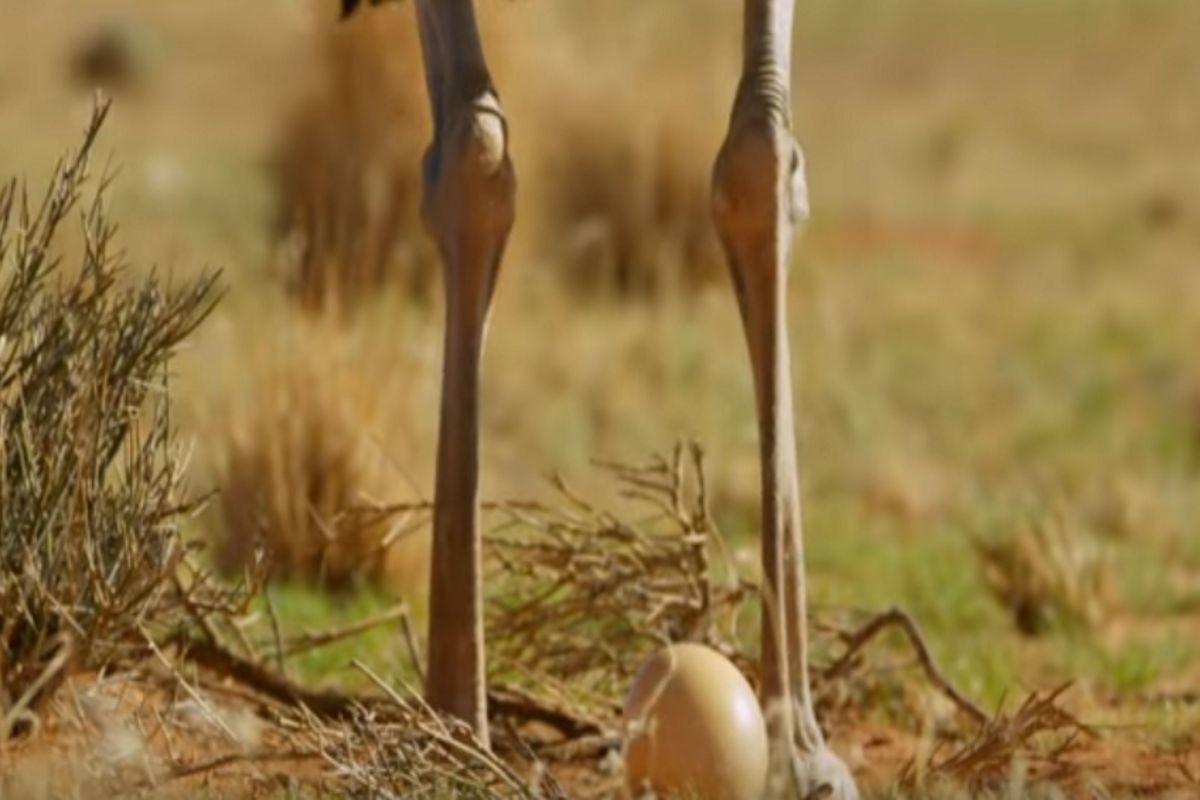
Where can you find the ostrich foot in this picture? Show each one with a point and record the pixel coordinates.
(814, 775)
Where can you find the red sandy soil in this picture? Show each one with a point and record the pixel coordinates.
(127, 736)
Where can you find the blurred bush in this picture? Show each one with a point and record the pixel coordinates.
(111, 56)
(347, 169)
(1049, 576)
(617, 204)
(625, 211)
(306, 474)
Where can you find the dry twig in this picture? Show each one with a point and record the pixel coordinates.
(579, 596)
(896, 618)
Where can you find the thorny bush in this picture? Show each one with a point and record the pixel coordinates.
(90, 476)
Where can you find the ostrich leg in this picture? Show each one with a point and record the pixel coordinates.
(759, 194)
(468, 208)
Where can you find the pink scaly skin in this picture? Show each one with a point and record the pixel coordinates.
(759, 196)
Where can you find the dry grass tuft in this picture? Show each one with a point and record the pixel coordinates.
(91, 500)
(304, 461)
(625, 206)
(347, 174)
(1049, 575)
(988, 759)
(402, 748)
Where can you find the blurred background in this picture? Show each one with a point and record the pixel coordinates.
(995, 305)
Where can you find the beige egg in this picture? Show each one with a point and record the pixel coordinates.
(694, 728)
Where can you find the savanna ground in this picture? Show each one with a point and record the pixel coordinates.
(995, 312)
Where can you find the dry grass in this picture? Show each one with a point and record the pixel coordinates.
(1051, 574)
(625, 202)
(1004, 745)
(91, 496)
(199, 716)
(306, 452)
(347, 171)
(417, 753)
